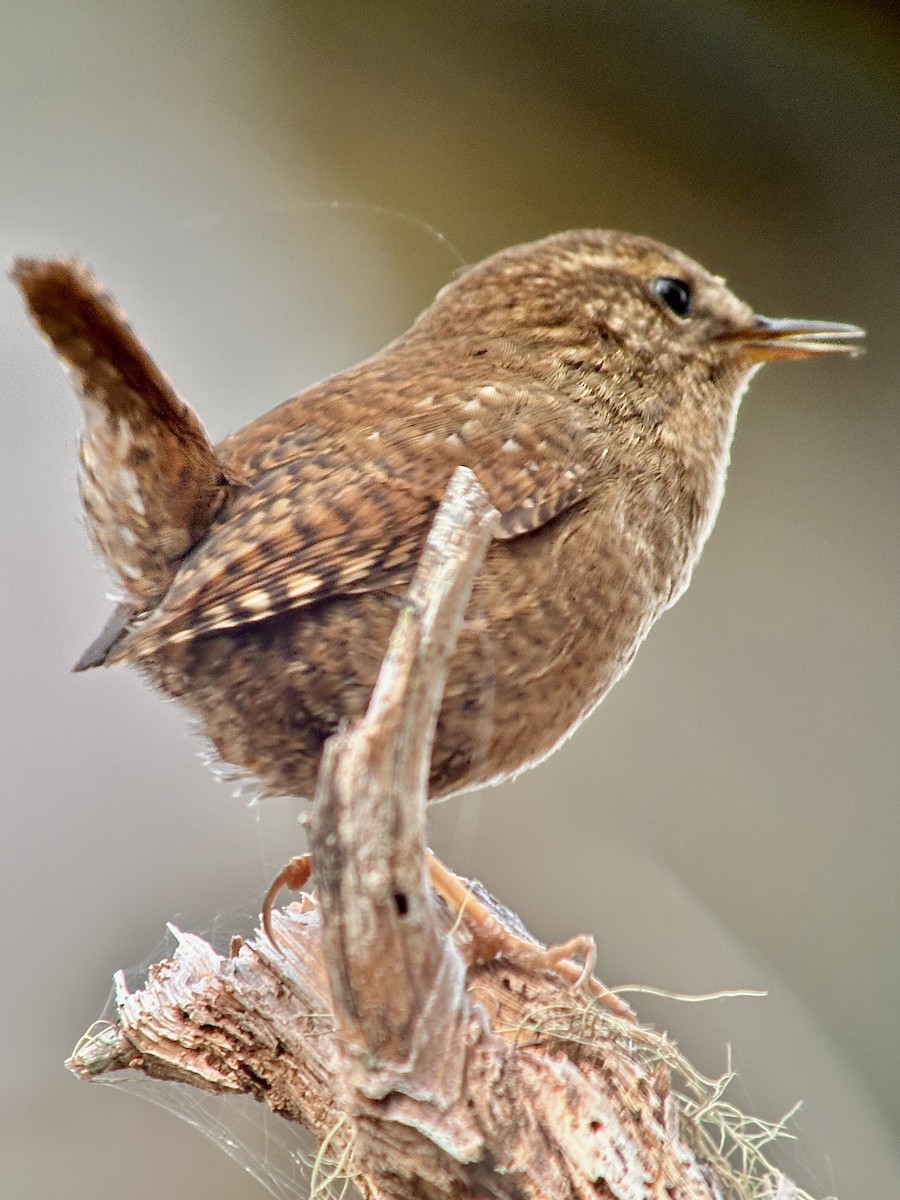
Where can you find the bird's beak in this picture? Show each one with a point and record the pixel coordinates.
(767, 339)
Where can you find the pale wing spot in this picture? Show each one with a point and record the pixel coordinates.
(453, 439)
(256, 601)
(425, 402)
(361, 563)
(302, 585)
(510, 446)
(472, 406)
(488, 390)
(130, 571)
(374, 436)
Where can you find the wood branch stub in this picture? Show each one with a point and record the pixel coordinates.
(367, 828)
(363, 1024)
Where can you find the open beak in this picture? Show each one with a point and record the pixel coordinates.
(767, 339)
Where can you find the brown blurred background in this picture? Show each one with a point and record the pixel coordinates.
(252, 181)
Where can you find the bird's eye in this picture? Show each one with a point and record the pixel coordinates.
(674, 293)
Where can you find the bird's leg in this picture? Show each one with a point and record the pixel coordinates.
(490, 938)
(294, 876)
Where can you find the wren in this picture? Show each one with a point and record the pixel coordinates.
(590, 380)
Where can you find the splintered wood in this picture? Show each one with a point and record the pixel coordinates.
(427, 1078)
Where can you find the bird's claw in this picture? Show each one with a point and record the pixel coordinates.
(294, 876)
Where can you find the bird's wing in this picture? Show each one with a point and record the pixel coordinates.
(331, 522)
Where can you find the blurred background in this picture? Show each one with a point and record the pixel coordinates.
(259, 184)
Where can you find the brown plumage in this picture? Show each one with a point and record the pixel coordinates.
(590, 380)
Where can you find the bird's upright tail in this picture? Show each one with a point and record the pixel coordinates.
(150, 481)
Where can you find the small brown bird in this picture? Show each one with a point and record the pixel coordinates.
(590, 380)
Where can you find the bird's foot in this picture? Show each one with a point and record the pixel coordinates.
(490, 938)
(294, 876)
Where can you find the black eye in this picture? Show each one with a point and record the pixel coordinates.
(674, 293)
